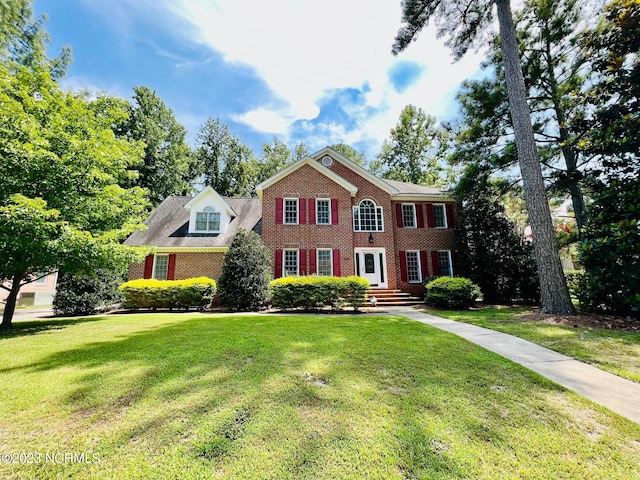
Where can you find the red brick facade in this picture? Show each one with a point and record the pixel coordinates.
(395, 255)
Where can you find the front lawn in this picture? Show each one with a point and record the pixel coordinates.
(257, 396)
(615, 351)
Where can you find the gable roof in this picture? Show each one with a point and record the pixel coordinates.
(377, 181)
(208, 190)
(168, 225)
(313, 164)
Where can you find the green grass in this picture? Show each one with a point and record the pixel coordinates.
(617, 352)
(312, 397)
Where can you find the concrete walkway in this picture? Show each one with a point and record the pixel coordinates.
(617, 394)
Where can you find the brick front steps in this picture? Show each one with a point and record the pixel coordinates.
(389, 298)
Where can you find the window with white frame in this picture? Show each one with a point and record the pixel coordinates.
(290, 263)
(291, 211)
(325, 266)
(444, 263)
(367, 217)
(42, 278)
(409, 215)
(208, 220)
(413, 267)
(161, 267)
(439, 216)
(323, 211)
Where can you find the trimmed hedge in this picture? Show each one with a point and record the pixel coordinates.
(450, 292)
(310, 293)
(181, 294)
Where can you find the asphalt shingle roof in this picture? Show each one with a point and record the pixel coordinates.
(168, 225)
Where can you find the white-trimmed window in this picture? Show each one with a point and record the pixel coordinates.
(161, 267)
(42, 278)
(325, 261)
(208, 220)
(413, 266)
(290, 263)
(439, 216)
(444, 263)
(409, 215)
(367, 217)
(323, 211)
(290, 211)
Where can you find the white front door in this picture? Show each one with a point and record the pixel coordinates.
(371, 264)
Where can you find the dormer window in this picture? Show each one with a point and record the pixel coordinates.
(208, 221)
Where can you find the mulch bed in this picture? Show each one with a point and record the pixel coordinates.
(583, 320)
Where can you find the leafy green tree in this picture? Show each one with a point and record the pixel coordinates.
(350, 153)
(462, 32)
(246, 273)
(412, 153)
(276, 156)
(223, 161)
(24, 41)
(165, 168)
(491, 250)
(61, 170)
(610, 250)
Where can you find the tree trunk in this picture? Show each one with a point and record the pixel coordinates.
(553, 286)
(10, 306)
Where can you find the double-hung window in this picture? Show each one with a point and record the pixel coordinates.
(367, 217)
(323, 211)
(290, 263)
(161, 267)
(413, 267)
(439, 216)
(208, 220)
(325, 266)
(409, 215)
(291, 211)
(444, 263)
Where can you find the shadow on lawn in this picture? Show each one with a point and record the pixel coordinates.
(208, 383)
(32, 327)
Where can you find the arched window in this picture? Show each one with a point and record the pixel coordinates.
(208, 220)
(367, 217)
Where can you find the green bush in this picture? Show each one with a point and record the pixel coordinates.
(310, 293)
(84, 294)
(246, 273)
(181, 294)
(450, 292)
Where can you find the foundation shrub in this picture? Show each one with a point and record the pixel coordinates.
(179, 294)
(313, 292)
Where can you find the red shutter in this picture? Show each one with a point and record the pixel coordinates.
(312, 262)
(171, 268)
(403, 266)
(148, 267)
(336, 262)
(454, 263)
(302, 261)
(450, 219)
(399, 219)
(279, 209)
(334, 211)
(420, 215)
(424, 268)
(312, 211)
(278, 266)
(302, 211)
(434, 263)
(431, 222)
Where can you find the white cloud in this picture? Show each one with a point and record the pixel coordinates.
(303, 49)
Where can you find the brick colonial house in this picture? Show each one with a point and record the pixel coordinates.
(322, 215)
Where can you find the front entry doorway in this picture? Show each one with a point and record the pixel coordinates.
(371, 264)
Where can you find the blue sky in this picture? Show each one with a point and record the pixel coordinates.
(315, 71)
